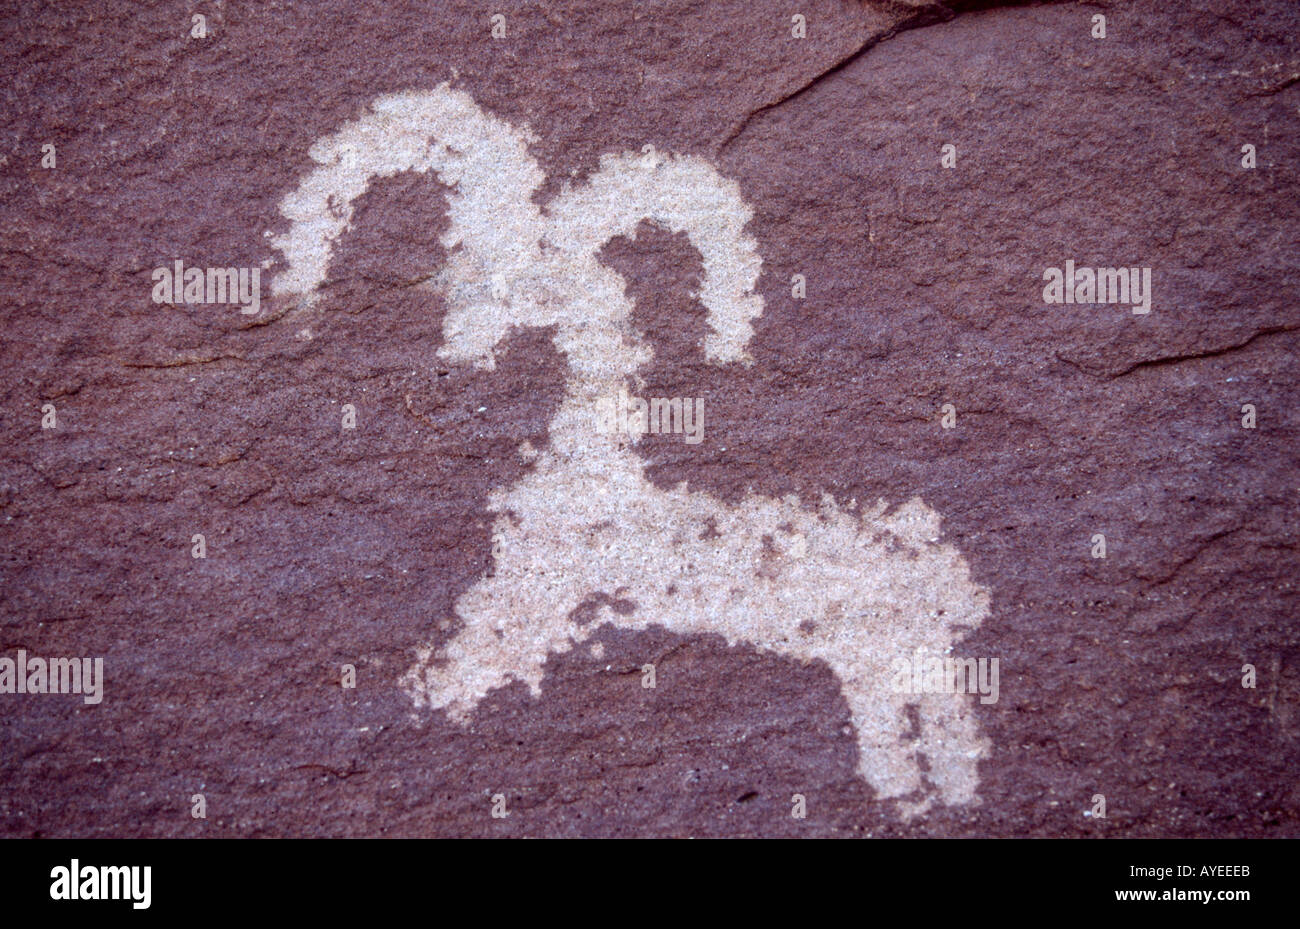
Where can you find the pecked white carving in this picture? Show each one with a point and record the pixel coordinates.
(856, 588)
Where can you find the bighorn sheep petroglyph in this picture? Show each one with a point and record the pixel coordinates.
(584, 538)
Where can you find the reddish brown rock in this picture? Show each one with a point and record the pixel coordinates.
(1119, 677)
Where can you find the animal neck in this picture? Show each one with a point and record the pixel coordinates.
(589, 432)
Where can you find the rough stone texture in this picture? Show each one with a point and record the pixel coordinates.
(1119, 676)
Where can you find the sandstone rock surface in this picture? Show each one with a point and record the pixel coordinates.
(327, 547)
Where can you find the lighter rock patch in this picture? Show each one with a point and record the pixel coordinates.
(584, 538)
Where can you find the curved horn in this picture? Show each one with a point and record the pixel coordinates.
(683, 194)
(484, 160)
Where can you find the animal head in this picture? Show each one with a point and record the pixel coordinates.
(510, 262)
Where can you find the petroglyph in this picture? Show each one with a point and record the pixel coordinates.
(584, 538)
